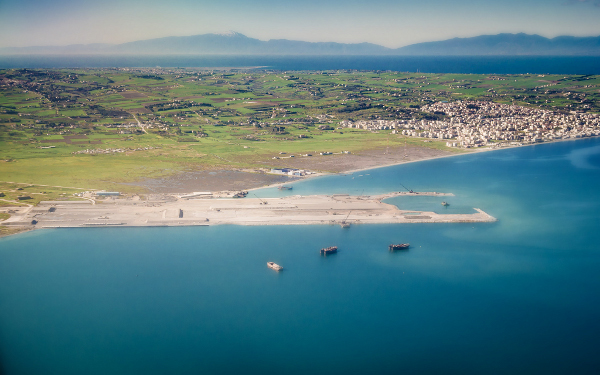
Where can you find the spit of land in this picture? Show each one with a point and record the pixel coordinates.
(292, 210)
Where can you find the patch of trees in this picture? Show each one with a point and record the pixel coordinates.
(29, 72)
(278, 129)
(360, 107)
(151, 76)
(109, 112)
(354, 88)
(354, 108)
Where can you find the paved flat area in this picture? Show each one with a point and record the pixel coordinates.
(293, 210)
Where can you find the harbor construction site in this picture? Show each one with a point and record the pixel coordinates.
(344, 210)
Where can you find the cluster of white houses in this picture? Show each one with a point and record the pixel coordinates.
(111, 150)
(290, 172)
(476, 124)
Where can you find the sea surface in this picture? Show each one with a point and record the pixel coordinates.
(519, 296)
(424, 64)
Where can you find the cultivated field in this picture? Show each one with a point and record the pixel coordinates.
(100, 128)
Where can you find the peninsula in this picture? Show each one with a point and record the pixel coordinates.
(152, 131)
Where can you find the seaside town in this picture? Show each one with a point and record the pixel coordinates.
(477, 123)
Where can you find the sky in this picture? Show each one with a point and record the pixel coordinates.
(391, 23)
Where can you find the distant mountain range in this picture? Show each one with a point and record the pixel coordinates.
(508, 44)
(239, 44)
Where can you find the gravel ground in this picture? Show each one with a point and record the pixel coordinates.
(186, 182)
(360, 160)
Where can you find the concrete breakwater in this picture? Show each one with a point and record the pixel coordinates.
(292, 210)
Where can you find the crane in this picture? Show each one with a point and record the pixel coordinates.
(344, 224)
(261, 201)
(407, 189)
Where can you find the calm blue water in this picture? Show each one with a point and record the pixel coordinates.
(519, 296)
(425, 64)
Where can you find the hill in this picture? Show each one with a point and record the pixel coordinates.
(507, 44)
(239, 44)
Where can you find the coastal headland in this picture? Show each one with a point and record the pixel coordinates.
(166, 131)
(292, 210)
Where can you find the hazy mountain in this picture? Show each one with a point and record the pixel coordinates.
(211, 44)
(507, 44)
(238, 44)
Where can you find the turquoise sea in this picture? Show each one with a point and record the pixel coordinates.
(519, 296)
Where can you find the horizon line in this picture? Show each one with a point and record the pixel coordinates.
(234, 33)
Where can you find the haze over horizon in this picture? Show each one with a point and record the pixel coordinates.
(385, 22)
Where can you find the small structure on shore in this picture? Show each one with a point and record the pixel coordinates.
(108, 193)
(282, 187)
(197, 194)
(445, 204)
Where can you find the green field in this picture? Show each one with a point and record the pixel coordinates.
(197, 119)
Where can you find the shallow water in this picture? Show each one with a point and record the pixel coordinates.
(518, 296)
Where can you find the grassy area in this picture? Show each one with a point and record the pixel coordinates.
(76, 128)
(20, 194)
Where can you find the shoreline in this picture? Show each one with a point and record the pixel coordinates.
(475, 151)
(17, 230)
(24, 228)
